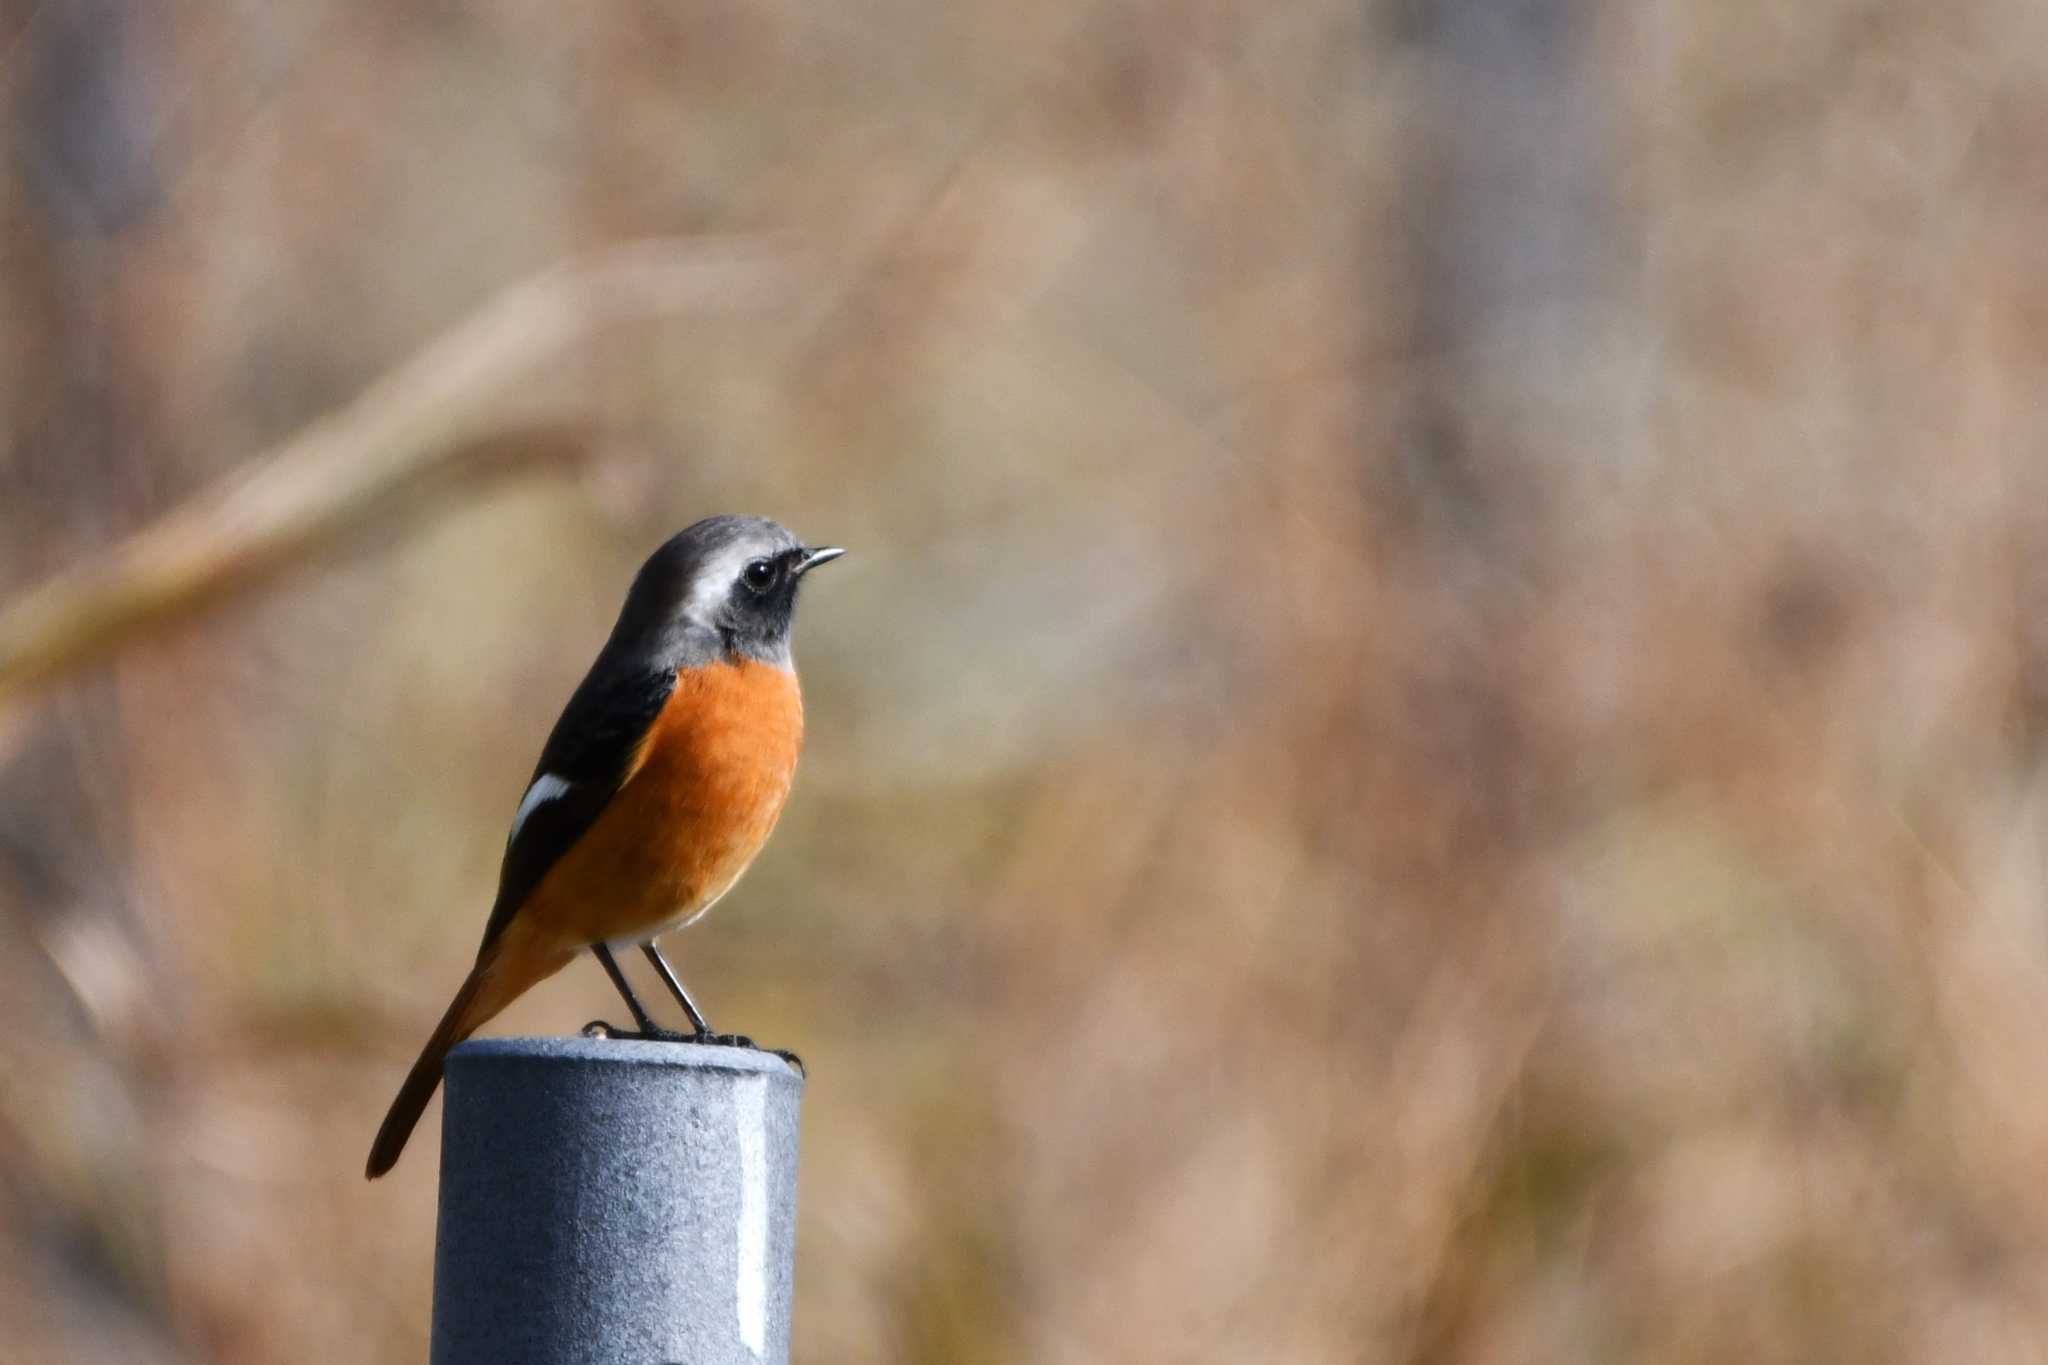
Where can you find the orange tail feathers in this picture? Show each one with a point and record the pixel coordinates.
(501, 976)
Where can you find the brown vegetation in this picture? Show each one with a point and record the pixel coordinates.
(1367, 799)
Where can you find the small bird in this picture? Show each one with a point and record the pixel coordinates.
(658, 785)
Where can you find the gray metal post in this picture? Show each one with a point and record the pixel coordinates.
(607, 1202)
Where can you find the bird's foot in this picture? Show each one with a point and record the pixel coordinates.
(598, 1028)
(722, 1040)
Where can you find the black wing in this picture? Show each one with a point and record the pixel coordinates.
(591, 749)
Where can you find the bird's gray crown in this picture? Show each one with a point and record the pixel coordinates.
(723, 587)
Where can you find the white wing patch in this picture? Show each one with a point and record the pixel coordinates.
(546, 787)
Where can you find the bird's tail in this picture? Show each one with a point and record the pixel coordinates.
(500, 976)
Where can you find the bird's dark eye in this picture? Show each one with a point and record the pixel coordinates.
(759, 575)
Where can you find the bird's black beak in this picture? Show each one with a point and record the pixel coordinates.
(813, 558)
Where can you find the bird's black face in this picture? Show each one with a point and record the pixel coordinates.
(725, 587)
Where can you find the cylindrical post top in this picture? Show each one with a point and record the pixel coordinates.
(611, 1201)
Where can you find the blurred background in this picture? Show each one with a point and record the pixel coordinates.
(1432, 747)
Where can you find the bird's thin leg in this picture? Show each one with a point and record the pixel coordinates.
(611, 969)
(675, 987)
(703, 1033)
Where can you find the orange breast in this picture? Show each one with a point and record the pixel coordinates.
(704, 792)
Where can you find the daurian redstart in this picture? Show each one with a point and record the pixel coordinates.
(659, 784)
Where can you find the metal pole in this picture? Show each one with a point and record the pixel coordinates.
(610, 1202)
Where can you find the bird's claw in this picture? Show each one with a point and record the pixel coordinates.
(598, 1028)
(722, 1040)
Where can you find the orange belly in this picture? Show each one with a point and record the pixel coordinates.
(705, 790)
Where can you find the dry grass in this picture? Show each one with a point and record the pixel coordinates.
(1331, 833)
